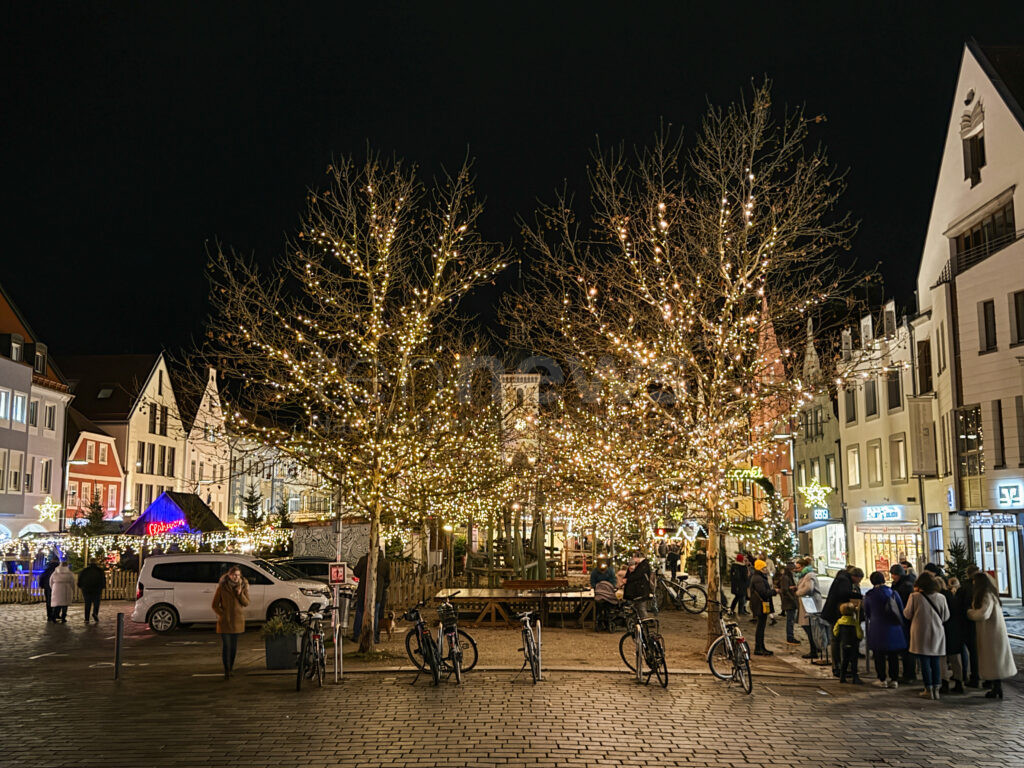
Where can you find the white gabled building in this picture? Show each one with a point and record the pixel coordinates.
(207, 467)
(969, 334)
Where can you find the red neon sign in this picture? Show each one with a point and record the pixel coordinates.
(155, 529)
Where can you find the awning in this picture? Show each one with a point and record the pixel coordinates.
(817, 524)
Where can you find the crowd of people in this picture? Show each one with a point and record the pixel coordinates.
(952, 633)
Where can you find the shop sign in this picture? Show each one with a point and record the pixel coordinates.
(745, 473)
(883, 513)
(1010, 494)
(820, 514)
(993, 520)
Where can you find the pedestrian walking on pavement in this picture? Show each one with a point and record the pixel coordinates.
(62, 584)
(808, 591)
(44, 584)
(761, 605)
(887, 634)
(229, 603)
(927, 611)
(786, 586)
(672, 560)
(995, 660)
(848, 632)
(739, 583)
(92, 581)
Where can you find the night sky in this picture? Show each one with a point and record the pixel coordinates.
(135, 134)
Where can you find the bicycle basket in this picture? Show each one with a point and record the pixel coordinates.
(447, 614)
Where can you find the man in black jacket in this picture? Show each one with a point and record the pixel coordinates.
(44, 584)
(903, 585)
(92, 582)
(845, 587)
(638, 579)
(383, 581)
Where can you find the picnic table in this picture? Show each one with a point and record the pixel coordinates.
(492, 607)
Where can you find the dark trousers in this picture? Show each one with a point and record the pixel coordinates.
(601, 618)
(92, 604)
(810, 639)
(909, 665)
(674, 570)
(971, 644)
(60, 613)
(228, 649)
(762, 619)
(890, 659)
(837, 655)
(790, 623)
(357, 623)
(48, 594)
(849, 655)
(739, 603)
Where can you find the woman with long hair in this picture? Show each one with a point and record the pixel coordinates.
(995, 660)
(229, 603)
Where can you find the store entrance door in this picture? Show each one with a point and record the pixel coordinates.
(882, 550)
(995, 551)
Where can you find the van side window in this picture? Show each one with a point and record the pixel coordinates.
(253, 576)
(186, 572)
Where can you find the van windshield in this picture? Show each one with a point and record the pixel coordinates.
(276, 570)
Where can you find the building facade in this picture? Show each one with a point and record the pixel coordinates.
(94, 470)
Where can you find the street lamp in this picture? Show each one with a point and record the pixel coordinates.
(62, 524)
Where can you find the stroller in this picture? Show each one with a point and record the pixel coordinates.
(608, 610)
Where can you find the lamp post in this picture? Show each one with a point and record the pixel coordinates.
(62, 523)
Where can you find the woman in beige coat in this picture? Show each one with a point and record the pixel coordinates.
(927, 611)
(995, 660)
(229, 603)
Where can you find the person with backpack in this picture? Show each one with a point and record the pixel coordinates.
(887, 636)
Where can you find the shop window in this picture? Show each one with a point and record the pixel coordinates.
(875, 462)
(970, 444)
(853, 466)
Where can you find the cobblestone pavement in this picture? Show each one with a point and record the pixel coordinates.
(171, 708)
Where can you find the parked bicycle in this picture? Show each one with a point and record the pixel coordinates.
(312, 663)
(692, 598)
(426, 653)
(729, 656)
(642, 646)
(531, 645)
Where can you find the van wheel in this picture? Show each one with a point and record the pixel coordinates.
(283, 608)
(163, 618)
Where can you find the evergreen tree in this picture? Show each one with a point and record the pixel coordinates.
(253, 503)
(94, 517)
(284, 519)
(959, 559)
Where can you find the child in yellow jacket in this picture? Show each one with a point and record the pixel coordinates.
(848, 630)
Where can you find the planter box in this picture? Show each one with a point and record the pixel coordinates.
(282, 651)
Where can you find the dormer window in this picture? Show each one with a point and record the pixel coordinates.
(972, 134)
(39, 366)
(17, 350)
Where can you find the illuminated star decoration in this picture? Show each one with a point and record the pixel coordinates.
(48, 509)
(815, 494)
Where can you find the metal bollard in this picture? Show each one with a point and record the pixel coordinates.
(118, 641)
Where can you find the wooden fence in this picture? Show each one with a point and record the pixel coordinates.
(408, 586)
(24, 587)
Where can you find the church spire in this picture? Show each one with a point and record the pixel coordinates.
(812, 365)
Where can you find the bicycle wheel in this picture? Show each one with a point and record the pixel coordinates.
(468, 646)
(321, 663)
(695, 599)
(433, 658)
(720, 659)
(301, 671)
(414, 651)
(627, 650)
(640, 647)
(660, 665)
(455, 656)
(741, 672)
(530, 652)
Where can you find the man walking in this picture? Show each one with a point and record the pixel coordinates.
(92, 581)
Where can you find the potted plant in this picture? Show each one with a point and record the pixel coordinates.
(281, 638)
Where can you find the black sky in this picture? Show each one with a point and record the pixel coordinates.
(133, 134)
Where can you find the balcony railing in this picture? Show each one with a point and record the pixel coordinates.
(961, 262)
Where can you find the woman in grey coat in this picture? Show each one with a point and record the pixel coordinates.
(927, 611)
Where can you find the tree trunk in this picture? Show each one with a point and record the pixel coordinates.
(714, 581)
(369, 599)
(490, 548)
(424, 546)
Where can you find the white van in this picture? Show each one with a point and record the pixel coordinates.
(178, 589)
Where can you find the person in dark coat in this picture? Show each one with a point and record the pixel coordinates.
(92, 581)
(44, 584)
(761, 605)
(638, 579)
(672, 561)
(903, 585)
(955, 629)
(604, 583)
(785, 583)
(963, 600)
(845, 587)
(887, 634)
(383, 580)
(739, 583)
